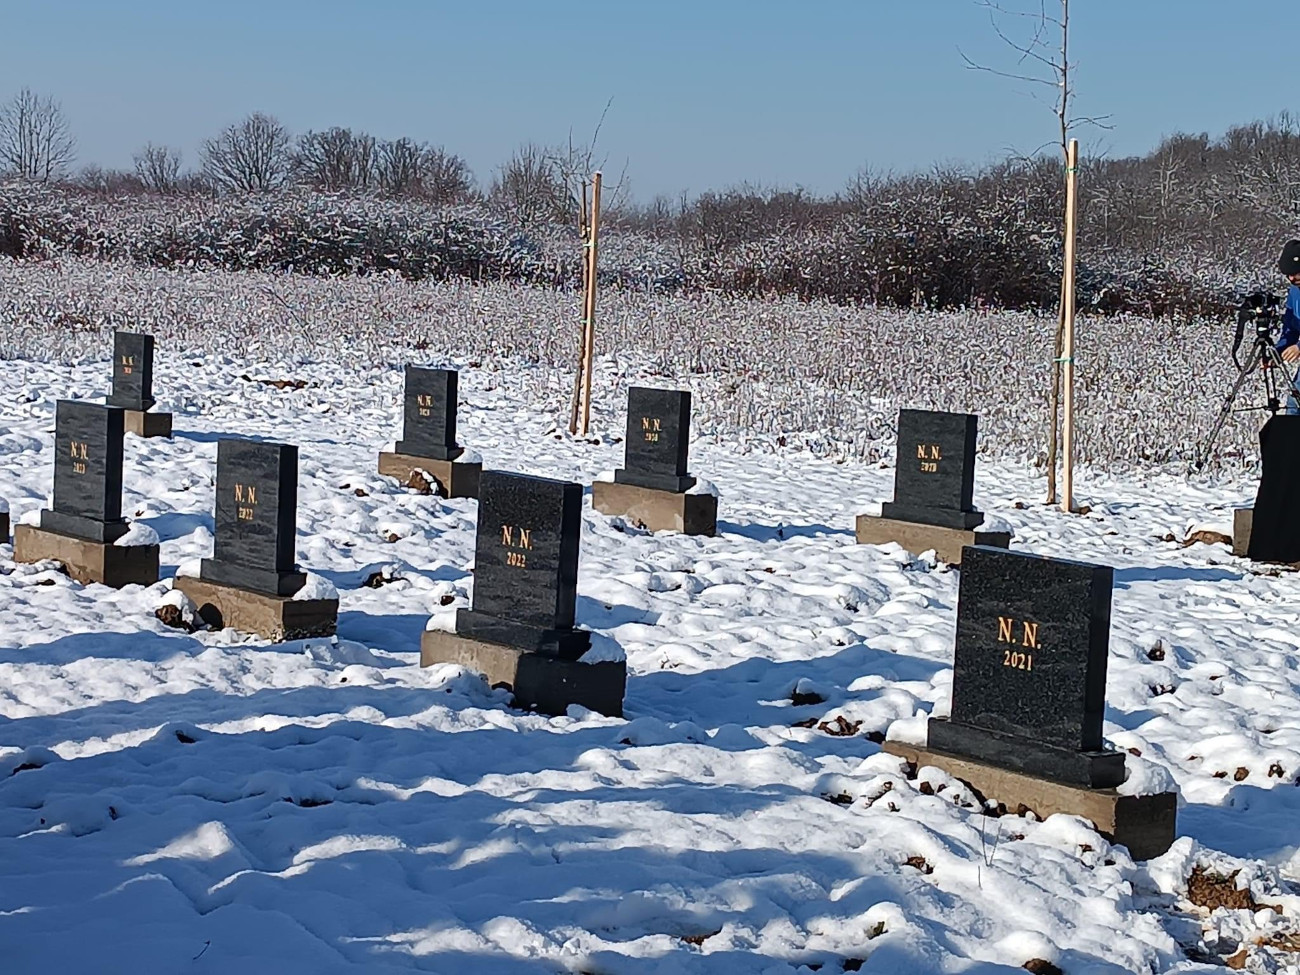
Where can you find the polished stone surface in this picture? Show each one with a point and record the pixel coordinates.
(934, 477)
(1275, 523)
(658, 439)
(132, 371)
(526, 564)
(87, 472)
(257, 507)
(1029, 669)
(429, 416)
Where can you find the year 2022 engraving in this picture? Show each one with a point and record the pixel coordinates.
(245, 501)
(520, 540)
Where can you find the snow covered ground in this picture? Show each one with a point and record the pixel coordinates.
(174, 802)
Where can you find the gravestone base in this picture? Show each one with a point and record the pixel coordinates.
(88, 561)
(537, 681)
(1242, 520)
(917, 537)
(655, 510)
(144, 424)
(454, 479)
(1147, 825)
(274, 618)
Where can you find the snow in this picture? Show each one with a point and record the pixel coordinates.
(138, 535)
(316, 587)
(208, 802)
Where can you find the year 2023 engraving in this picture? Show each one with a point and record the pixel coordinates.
(424, 402)
(519, 539)
(245, 501)
(80, 455)
(928, 455)
(1018, 659)
(651, 427)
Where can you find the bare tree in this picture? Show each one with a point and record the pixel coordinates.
(336, 159)
(251, 156)
(398, 166)
(530, 188)
(158, 168)
(35, 140)
(1040, 44)
(445, 177)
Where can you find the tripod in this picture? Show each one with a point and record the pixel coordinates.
(1265, 357)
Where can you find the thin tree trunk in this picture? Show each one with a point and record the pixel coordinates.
(1055, 399)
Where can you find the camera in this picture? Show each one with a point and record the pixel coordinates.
(1263, 309)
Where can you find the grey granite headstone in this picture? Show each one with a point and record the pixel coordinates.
(87, 472)
(1029, 671)
(132, 371)
(526, 565)
(934, 478)
(658, 440)
(256, 516)
(429, 417)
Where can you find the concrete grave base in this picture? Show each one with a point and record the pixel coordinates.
(538, 682)
(144, 424)
(1144, 824)
(455, 480)
(655, 510)
(917, 537)
(88, 561)
(273, 618)
(1242, 519)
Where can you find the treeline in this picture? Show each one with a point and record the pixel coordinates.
(1179, 231)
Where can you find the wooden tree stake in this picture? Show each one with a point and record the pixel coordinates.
(1067, 348)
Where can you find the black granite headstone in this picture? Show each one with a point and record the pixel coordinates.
(934, 477)
(87, 472)
(658, 440)
(257, 509)
(132, 371)
(526, 565)
(1275, 527)
(1029, 671)
(429, 420)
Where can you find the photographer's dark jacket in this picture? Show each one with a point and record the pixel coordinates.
(1290, 319)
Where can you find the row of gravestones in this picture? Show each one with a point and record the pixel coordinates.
(1032, 639)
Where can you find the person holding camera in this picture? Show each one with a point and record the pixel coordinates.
(1288, 343)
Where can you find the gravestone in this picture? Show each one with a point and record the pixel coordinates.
(429, 418)
(256, 518)
(1274, 526)
(1029, 671)
(132, 371)
(934, 477)
(82, 528)
(1029, 696)
(428, 446)
(520, 630)
(252, 582)
(934, 484)
(526, 565)
(658, 439)
(87, 473)
(651, 487)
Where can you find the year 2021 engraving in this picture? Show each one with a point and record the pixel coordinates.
(1018, 659)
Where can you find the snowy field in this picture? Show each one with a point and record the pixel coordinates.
(175, 802)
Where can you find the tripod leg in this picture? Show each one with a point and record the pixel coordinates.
(1203, 454)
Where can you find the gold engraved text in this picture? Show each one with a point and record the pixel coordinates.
(651, 427)
(245, 501)
(128, 365)
(424, 401)
(1028, 639)
(80, 454)
(517, 538)
(928, 455)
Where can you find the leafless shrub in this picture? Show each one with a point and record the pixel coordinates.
(158, 168)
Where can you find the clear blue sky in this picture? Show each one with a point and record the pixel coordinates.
(705, 93)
